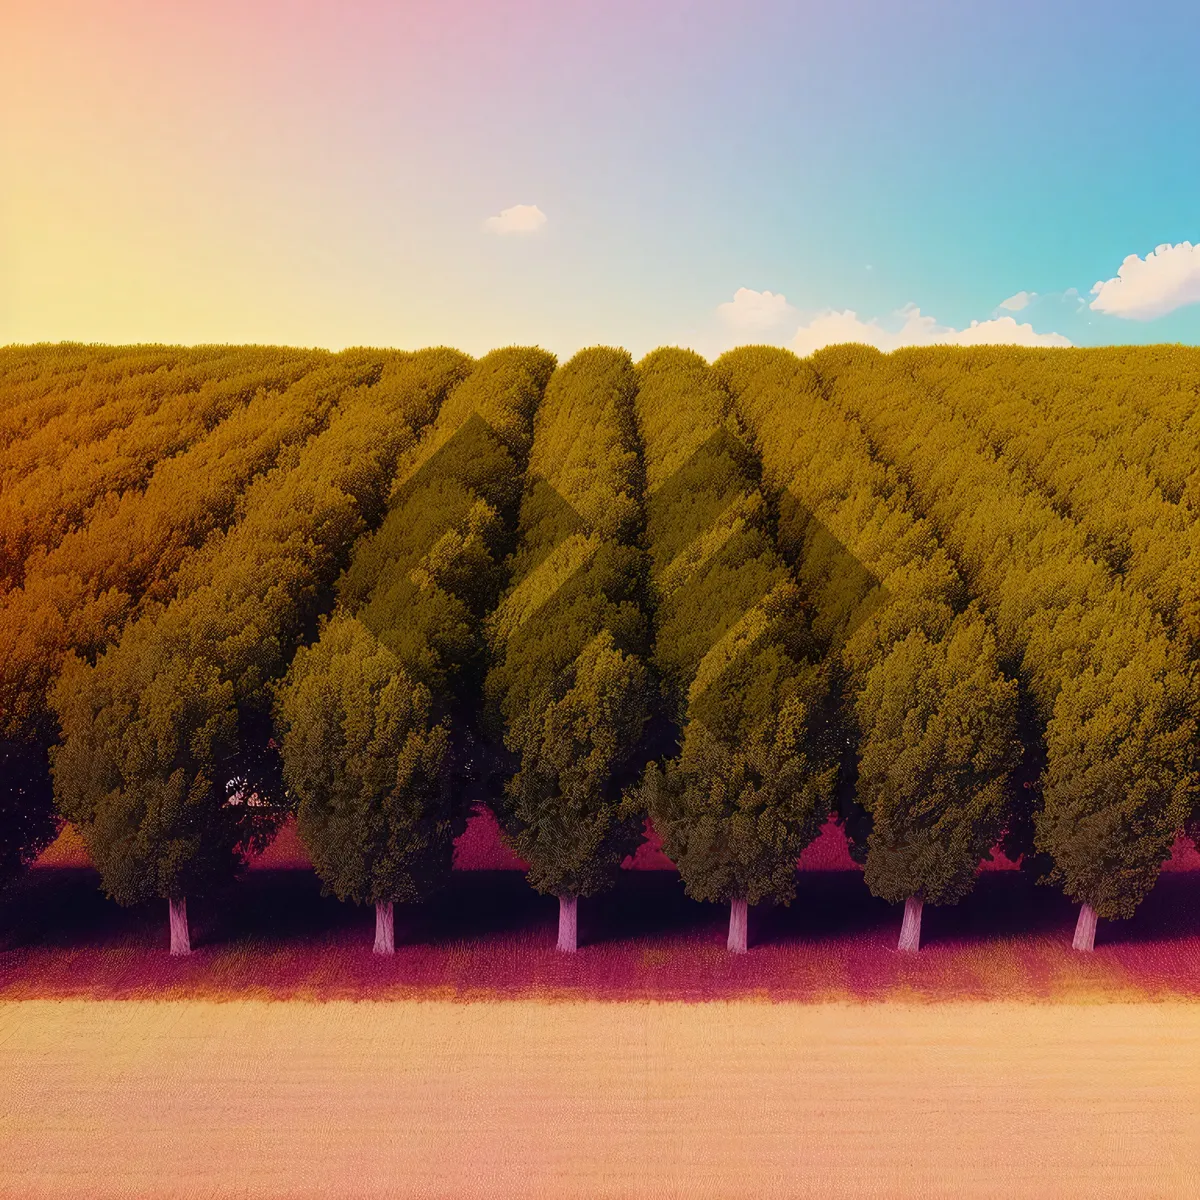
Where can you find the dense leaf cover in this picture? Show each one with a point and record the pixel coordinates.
(568, 693)
(742, 673)
(931, 714)
(373, 716)
(964, 581)
(155, 729)
(1112, 688)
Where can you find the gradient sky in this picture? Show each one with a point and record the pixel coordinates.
(322, 173)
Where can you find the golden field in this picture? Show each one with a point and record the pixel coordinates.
(256, 1098)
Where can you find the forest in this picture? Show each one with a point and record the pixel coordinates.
(946, 597)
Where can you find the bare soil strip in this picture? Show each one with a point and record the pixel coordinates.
(252, 1098)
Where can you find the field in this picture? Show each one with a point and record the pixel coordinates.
(480, 1062)
(954, 591)
(252, 1099)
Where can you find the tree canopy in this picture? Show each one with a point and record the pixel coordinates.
(568, 693)
(743, 676)
(373, 717)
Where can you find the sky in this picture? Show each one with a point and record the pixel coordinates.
(578, 172)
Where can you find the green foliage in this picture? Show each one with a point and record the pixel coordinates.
(366, 757)
(568, 694)
(1120, 784)
(156, 729)
(562, 810)
(752, 783)
(140, 770)
(926, 708)
(373, 718)
(936, 746)
(735, 814)
(1119, 777)
(80, 594)
(174, 521)
(109, 441)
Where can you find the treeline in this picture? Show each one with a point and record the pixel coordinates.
(947, 597)
(568, 694)
(931, 714)
(1114, 702)
(744, 678)
(158, 728)
(375, 716)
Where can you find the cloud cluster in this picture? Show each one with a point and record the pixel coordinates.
(1145, 288)
(915, 329)
(756, 310)
(520, 218)
(761, 312)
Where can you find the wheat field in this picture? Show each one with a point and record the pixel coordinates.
(257, 1098)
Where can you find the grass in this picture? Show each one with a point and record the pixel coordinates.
(488, 936)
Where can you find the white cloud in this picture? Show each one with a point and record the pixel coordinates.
(1018, 302)
(1142, 289)
(756, 310)
(521, 218)
(915, 329)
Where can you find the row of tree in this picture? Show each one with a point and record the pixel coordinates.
(567, 694)
(375, 717)
(49, 480)
(1139, 401)
(732, 598)
(64, 395)
(1114, 704)
(1088, 455)
(80, 595)
(155, 730)
(931, 717)
(744, 680)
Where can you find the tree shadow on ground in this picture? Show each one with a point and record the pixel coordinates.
(63, 908)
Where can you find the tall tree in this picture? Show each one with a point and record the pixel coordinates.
(1108, 683)
(154, 731)
(80, 595)
(743, 676)
(374, 717)
(931, 717)
(568, 693)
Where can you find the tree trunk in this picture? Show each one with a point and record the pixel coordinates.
(1085, 929)
(181, 941)
(568, 937)
(910, 929)
(739, 920)
(385, 930)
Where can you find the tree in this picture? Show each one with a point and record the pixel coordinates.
(1077, 633)
(568, 694)
(925, 707)
(158, 725)
(937, 721)
(752, 783)
(374, 717)
(366, 757)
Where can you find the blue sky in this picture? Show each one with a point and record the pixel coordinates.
(323, 174)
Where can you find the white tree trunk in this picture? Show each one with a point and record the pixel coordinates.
(385, 930)
(181, 941)
(910, 928)
(568, 935)
(739, 921)
(1085, 929)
